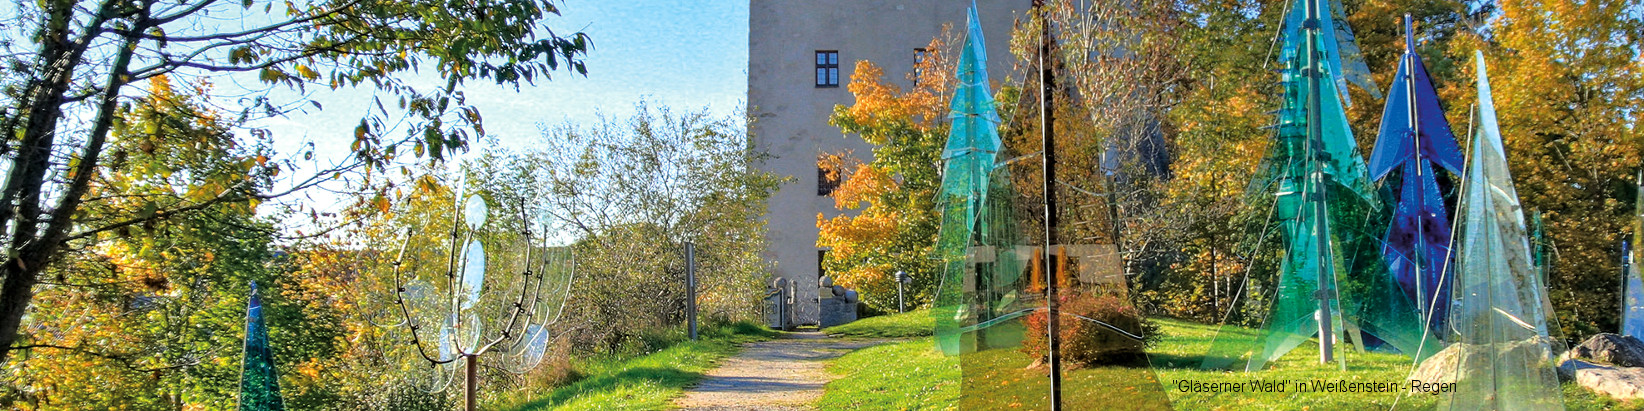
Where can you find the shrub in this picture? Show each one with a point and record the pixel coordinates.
(1088, 343)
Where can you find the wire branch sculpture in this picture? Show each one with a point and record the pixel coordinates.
(444, 323)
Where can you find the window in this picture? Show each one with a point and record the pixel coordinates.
(919, 55)
(827, 68)
(827, 179)
(821, 255)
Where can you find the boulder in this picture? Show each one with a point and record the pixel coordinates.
(1618, 350)
(1441, 367)
(1621, 383)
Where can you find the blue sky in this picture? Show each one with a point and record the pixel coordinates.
(686, 55)
(682, 54)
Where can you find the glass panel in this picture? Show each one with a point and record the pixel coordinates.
(473, 275)
(991, 310)
(475, 212)
(821, 76)
(1500, 319)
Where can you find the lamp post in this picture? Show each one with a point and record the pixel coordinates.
(901, 279)
(444, 324)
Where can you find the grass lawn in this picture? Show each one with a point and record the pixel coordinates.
(648, 381)
(913, 375)
(916, 323)
(1178, 354)
(908, 375)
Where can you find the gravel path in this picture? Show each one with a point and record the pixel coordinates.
(782, 374)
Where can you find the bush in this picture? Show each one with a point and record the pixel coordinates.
(1088, 343)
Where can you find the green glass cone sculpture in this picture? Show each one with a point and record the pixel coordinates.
(259, 381)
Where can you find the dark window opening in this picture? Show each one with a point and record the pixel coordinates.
(919, 55)
(827, 68)
(821, 255)
(827, 178)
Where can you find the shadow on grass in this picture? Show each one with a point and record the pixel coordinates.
(632, 377)
(646, 381)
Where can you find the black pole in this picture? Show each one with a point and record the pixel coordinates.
(1047, 135)
(690, 288)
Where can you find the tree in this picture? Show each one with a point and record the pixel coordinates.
(1219, 118)
(628, 195)
(1212, 212)
(896, 191)
(150, 316)
(1117, 70)
(62, 96)
(1567, 80)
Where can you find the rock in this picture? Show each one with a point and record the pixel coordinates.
(1619, 350)
(1441, 367)
(1606, 363)
(1623, 383)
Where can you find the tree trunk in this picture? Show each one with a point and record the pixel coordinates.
(32, 249)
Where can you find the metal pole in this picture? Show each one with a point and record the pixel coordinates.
(690, 287)
(1626, 276)
(1316, 139)
(472, 383)
(1424, 302)
(1047, 136)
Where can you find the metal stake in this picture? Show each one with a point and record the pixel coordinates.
(690, 287)
(471, 385)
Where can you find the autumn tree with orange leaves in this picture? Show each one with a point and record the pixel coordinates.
(893, 195)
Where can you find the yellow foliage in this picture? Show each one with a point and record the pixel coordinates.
(878, 102)
(866, 184)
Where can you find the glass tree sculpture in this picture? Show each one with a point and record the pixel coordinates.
(1416, 140)
(458, 302)
(969, 160)
(1332, 282)
(259, 381)
(1499, 308)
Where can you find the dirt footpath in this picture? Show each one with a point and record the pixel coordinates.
(782, 374)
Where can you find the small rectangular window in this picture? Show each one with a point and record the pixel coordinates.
(919, 55)
(821, 255)
(827, 179)
(827, 68)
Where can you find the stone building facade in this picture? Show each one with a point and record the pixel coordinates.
(801, 54)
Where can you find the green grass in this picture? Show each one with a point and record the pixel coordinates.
(916, 323)
(1177, 358)
(1580, 398)
(896, 376)
(913, 375)
(647, 381)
